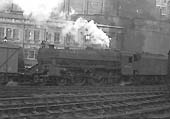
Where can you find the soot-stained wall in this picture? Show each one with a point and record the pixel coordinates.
(143, 31)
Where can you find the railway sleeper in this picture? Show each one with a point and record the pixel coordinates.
(92, 109)
(133, 112)
(40, 101)
(91, 94)
(87, 91)
(109, 108)
(165, 115)
(80, 104)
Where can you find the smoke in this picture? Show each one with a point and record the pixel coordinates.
(5, 4)
(40, 10)
(94, 35)
(59, 13)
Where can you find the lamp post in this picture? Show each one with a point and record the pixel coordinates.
(87, 38)
(160, 13)
(5, 39)
(6, 69)
(118, 8)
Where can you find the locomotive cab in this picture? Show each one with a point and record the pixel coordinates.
(46, 66)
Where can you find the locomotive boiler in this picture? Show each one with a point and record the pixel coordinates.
(79, 66)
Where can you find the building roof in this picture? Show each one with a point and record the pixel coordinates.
(11, 15)
(109, 26)
(8, 45)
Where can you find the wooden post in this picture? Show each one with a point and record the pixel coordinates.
(168, 73)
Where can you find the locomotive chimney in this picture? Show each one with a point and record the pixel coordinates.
(66, 48)
(51, 46)
(89, 48)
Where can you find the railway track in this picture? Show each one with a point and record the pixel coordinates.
(92, 103)
(29, 91)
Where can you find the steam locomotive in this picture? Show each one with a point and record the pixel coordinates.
(99, 67)
(78, 67)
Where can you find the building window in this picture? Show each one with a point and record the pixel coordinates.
(168, 8)
(163, 11)
(27, 34)
(36, 35)
(57, 37)
(8, 32)
(2, 32)
(158, 3)
(130, 59)
(16, 34)
(48, 36)
(69, 39)
(165, 1)
(30, 54)
(36, 55)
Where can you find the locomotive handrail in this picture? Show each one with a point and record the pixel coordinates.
(69, 66)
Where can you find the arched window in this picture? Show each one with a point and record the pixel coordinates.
(8, 32)
(57, 37)
(2, 32)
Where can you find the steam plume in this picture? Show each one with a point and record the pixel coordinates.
(90, 29)
(5, 4)
(40, 9)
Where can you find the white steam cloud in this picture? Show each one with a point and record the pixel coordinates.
(94, 35)
(5, 4)
(39, 9)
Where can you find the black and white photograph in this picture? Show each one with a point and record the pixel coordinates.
(84, 59)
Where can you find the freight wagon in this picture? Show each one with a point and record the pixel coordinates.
(11, 62)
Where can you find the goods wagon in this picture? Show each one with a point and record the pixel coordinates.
(10, 61)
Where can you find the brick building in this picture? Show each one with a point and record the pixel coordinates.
(22, 32)
(146, 27)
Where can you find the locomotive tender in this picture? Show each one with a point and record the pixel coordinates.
(83, 67)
